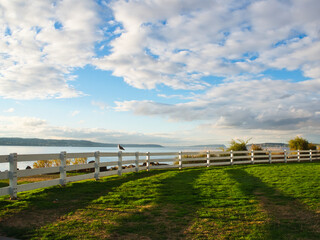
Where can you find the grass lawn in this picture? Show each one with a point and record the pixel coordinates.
(276, 201)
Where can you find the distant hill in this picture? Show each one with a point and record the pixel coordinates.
(270, 145)
(63, 143)
(210, 146)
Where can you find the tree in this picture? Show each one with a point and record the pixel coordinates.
(238, 145)
(299, 143)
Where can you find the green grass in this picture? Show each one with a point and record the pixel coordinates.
(277, 201)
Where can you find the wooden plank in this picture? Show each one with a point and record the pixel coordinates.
(80, 155)
(36, 185)
(262, 161)
(79, 166)
(304, 151)
(4, 158)
(277, 160)
(193, 153)
(165, 160)
(195, 165)
(108, 173)
(219, 163)
(36, 157)
(108, 154)
(80, 177)
(305, 155)
(128, 162)
(241, 157)
(128, 154)
(241, 162)
(37, 171)
(292, 160)
(106, 164)
(4, 191)
(127, 170)
(241, 152)
(305, 159)
(220, 158)
(164, 154)
(261, 156)
(4, 175)
(194, 159)
(165, 166)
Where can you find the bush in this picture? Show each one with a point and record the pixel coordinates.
(299, 143)
(56, 162)
(238, 145)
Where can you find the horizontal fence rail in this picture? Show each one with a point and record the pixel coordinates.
(116, 163)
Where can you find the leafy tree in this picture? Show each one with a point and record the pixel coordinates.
(299, 143)
(238, 145)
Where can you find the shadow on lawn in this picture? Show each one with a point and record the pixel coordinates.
(289, 219)
(169, 217)
(43, 206)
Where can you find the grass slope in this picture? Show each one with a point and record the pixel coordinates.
(278, 201)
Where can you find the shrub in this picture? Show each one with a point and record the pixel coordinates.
(299, 143)
(56, 162)
(238, 145)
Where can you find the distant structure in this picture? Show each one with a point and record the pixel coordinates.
(120, 147)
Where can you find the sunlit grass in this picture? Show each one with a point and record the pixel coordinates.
(277, 201)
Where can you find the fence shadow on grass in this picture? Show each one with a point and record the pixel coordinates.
(170, 216)
(289, 219)
(45, 206)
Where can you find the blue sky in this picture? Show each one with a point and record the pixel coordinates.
(178, 72)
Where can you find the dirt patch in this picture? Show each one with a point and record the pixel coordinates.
(28, 219)
(291, 211)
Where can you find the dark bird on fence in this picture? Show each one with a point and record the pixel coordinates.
(120, 147)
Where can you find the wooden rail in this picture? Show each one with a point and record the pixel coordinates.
(118, 163)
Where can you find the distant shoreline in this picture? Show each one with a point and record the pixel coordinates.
(37, 142)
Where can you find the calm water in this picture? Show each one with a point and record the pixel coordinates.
(6, 150)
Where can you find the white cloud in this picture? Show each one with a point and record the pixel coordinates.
(176, 43)
(15, 126)
(9, 110)
(75, 113)
(101, 105)
(41, 43)
(252, 104)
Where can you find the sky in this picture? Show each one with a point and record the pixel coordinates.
(171, 72)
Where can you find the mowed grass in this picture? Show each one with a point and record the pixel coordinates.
(277, 201)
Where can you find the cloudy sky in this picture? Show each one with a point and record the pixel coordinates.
(174, 72)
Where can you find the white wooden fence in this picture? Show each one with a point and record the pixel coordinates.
(157, 160)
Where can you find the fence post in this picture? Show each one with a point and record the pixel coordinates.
(310, 155)
(208, 158)
(270, 157)
(137, 161)
(252, 157)
(148, 161)
(180, 160)
(63, 164)
(96, 165)
(298, 153)
(285, 155)
(231, 157)
(13, 180)
(119, 163)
